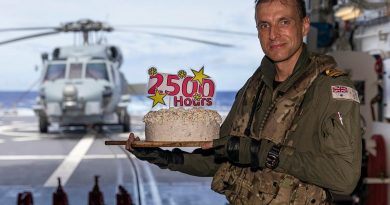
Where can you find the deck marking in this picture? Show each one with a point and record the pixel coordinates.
(70, 163)
(31, 157)
(57, 157)
(25, 139)
(152, 184)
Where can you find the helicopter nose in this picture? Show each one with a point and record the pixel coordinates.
(70, 92)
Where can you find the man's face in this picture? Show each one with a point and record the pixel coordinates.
(280, 29)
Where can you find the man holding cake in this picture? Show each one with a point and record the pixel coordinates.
(293, 134)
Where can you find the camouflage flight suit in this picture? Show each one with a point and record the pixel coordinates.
(321, 141)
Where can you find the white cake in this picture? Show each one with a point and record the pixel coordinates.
(179, 124)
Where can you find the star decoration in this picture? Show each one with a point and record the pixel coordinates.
(199, 75)
(152, 71)
(182, 74)
(158, 97)
(197, 96)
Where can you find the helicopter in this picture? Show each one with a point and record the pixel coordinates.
(82, 85)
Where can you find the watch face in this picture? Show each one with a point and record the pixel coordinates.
(272, 162)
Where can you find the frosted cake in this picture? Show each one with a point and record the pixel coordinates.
(179, 124)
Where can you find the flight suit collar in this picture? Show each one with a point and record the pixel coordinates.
(268, 69)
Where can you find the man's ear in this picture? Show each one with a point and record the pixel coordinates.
(305, 26)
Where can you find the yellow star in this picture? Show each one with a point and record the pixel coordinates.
(157, 98)
(199, 75)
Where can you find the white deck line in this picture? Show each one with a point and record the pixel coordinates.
(26, 139)
(70, 163)
(153, 185)
(31, 157)
(57, 157)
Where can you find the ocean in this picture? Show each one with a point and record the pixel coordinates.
(140, 105)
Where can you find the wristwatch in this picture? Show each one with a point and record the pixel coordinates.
(272, 160)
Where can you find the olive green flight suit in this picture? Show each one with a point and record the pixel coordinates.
(322, 148)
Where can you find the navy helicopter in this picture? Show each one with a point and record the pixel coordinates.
(82, 85)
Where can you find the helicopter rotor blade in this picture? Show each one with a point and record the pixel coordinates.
(231, 32)
(29, 36)
(87, 26)
(213, 43)
(28, 29)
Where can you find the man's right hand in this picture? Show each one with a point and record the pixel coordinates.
(155, 155)
(130, 141)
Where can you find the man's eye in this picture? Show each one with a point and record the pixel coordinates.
(284, 22)
(263, 26)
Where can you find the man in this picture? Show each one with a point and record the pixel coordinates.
(293, 134)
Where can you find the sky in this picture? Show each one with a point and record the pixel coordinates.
(228, 67)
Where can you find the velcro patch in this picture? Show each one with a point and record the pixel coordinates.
(342, 92)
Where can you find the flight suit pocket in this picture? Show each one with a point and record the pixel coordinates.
(306, 194)
(336, 139)
(266, 188)
(234, 183)
(224, 178)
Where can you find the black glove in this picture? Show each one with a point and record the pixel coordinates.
(242, 150)
(159, 157)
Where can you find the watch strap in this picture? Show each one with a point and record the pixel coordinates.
(272, 160)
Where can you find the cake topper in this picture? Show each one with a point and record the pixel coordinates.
(183, 90)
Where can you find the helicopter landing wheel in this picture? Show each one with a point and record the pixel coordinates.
(43, 124)
(126, 123)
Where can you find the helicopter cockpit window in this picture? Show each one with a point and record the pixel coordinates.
(75, 70)
(96, 71)
(55, 71)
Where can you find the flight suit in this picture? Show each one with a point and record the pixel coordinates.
(321, 151)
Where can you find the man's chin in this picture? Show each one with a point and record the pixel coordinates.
(277, 58)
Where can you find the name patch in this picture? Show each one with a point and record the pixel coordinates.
(342, 92)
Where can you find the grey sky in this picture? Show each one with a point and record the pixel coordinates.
(229, 67)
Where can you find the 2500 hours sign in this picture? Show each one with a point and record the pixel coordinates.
(197, 90)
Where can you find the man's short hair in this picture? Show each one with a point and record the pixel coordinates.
(301, 6)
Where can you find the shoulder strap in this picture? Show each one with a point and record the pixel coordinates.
(333, 72)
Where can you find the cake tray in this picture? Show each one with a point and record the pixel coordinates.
(157, 143)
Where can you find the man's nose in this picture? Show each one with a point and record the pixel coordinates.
(273, 32)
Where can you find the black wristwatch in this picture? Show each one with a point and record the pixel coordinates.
(272, 160)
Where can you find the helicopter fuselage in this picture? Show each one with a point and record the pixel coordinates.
(81, 87)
